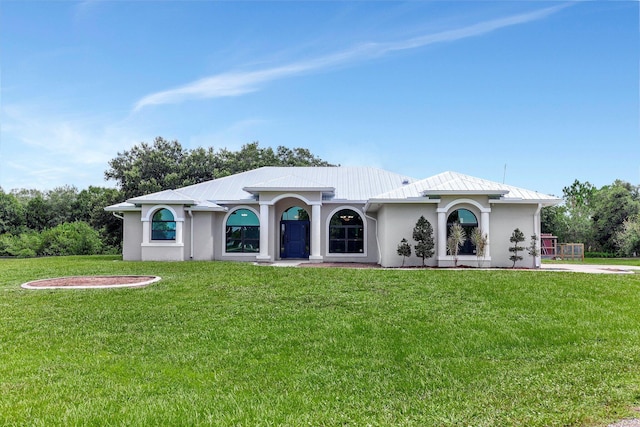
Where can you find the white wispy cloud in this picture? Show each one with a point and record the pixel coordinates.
(243, 82)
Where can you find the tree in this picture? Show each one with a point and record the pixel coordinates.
(457, 237)
(91, 203)
(533, 249)
(516, 237)
(12, 214)
(627, 239)
(404, 249)
(162, 165)
(480, 241)
(612, 205)
(150, 168)
(62, 203)
(423, 235)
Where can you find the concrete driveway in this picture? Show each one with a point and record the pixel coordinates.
(591, 268)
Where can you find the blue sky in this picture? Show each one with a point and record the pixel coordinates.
(549, 89)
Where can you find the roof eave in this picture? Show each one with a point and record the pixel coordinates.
(465, 192)
(122, 208)
(257, 190)
(545, 202)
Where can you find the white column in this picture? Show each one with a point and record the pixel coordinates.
(179, 227)
(442, 235)
(264, 234)
(146, 231)
(484, 226)
(316, 233)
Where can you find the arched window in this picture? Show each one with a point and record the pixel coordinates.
(243, 232)
(163, 225)
(346, 233)
(295, 213)
(468, 221)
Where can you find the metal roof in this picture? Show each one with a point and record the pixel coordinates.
(453, 183)
(349, 183)
(346, 182)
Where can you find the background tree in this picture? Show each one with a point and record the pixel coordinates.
(627, 239)
(62, 203)
(404, 249)
(479, 240)
(423, 235)
(12, 214)
(516, 237)
(612, 205)
(91, 203)
(162, 165)
(457, 237)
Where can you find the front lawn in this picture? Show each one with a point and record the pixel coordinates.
(218, 343)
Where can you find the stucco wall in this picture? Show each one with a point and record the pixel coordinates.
(396, 221)
(504, 219)
(131, 236)
(202, 236)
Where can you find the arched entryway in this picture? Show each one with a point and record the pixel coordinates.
(294, 233)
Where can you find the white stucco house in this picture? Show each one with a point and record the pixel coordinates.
(326, 214)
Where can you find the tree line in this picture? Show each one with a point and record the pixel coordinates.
(69, 221)
(606, 220)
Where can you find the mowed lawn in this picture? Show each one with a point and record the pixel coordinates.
(234, 344)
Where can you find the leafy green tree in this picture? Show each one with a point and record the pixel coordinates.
(12, 214)
(423, 235)
(627, 239)
(91, 203)
(516, 237)
(404, 249)
(612, 205)
(162, 165)
(457, 237)
(62, 205)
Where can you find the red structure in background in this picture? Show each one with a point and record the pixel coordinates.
(548, 245)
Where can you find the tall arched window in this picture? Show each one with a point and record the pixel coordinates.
(163, 225)
(346, 233)
(468, 221)
(243, 232)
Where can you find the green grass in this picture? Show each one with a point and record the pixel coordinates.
(234, 344)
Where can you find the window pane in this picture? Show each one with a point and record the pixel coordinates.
(243, 217)
(336, 246)
(354, 233)
(355, 246)
(295, 213)
(163, 215)
(163, 235)
(337, 233)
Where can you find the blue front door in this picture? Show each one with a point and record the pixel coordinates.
(294, 239)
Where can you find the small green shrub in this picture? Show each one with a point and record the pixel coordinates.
(599, 255)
